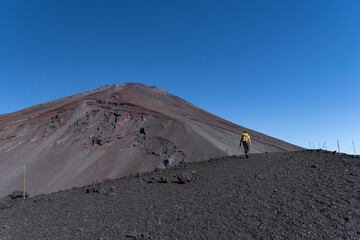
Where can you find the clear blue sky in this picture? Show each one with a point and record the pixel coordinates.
(289, 68)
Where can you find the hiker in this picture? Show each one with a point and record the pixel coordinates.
(246, 142)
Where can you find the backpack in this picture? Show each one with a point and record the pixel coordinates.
(245, 137)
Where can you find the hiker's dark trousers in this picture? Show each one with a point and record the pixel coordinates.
(246, 147)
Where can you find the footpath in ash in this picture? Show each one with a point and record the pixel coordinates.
(292, 195)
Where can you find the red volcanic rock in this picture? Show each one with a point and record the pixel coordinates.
(111, 132)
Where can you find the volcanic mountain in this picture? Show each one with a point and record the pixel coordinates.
(112, 132)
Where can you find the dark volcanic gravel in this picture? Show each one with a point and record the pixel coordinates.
(294, 195)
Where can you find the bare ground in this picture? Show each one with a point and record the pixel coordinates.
(292, 195)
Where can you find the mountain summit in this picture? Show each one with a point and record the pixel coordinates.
(115, 130)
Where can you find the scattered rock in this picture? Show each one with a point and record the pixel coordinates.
(163, 179)
(166, 162)
(183, 178)
(145, 235)
(96, 189)
(151, 180)
(138, 236)
(183, 163)
(131, 235)
(18, 194)
(97, 140)
(156, 154)
(193, 172)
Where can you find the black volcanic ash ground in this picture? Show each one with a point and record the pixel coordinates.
(293, 195)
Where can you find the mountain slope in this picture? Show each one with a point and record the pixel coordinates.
(121, 129)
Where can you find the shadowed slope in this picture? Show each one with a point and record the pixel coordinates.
(127, 128)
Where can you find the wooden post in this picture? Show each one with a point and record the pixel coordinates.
(226, 152)
(338, 146)
(309, 145)
(354, 147)
(324, 145)
(206, 154)
(24, 183)
(96, 171)
(313, 145)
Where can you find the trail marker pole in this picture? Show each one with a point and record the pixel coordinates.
(313, 146)
(226, 152)
(324, 145)
(206, 154)
(354, 147)
(96, 171)
(24, 183)
(338, 145)
(309, 145)
(319, 145)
